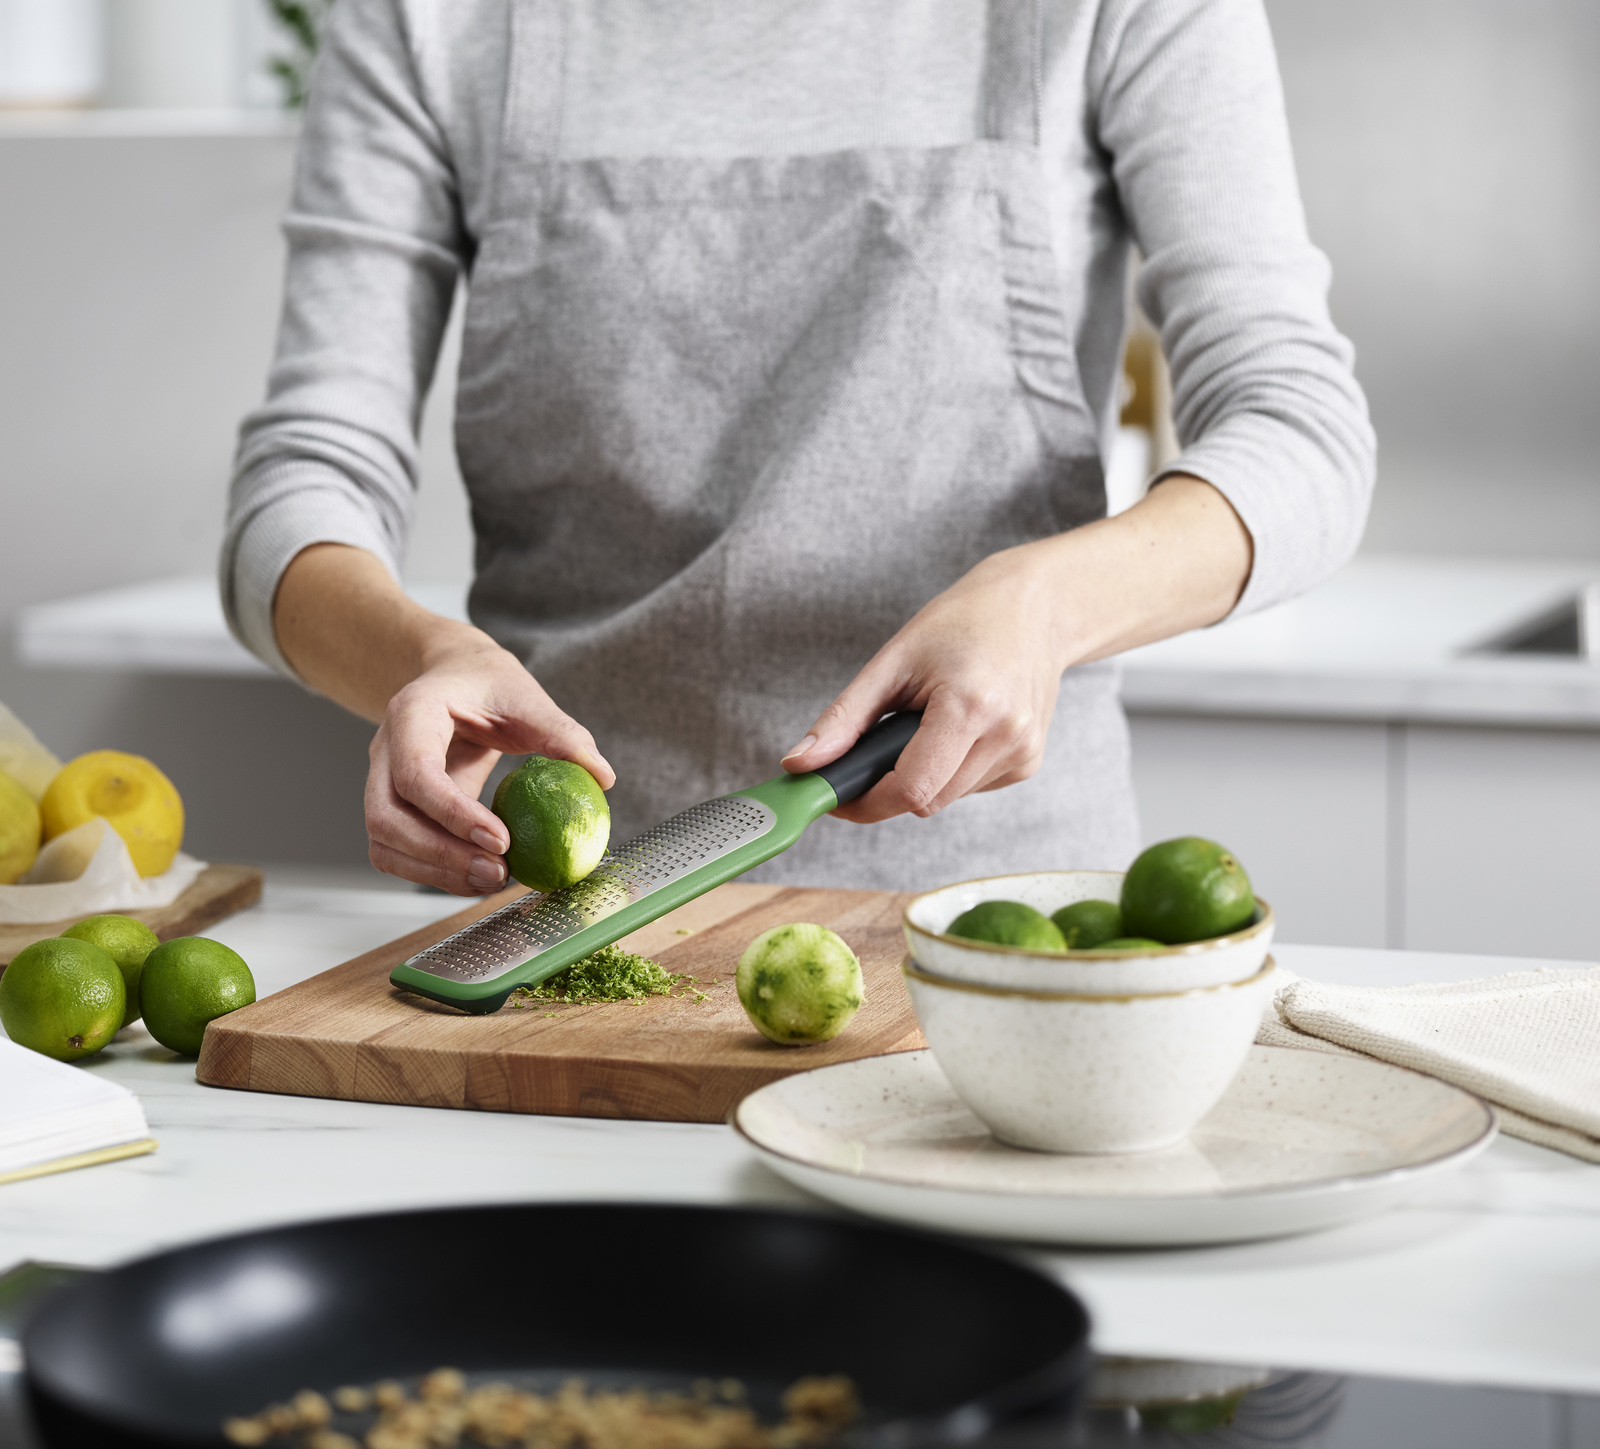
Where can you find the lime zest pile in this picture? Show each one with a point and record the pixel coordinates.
(609, 975)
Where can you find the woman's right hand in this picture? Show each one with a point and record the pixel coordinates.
(441, 736)
(448, 702)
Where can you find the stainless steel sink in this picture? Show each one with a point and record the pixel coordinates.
(1569, 629)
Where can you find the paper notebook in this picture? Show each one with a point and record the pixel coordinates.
(55, 1116)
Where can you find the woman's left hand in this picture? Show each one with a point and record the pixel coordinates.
(983, 661)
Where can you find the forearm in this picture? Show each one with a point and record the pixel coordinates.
(352, 634)
(1177, 560)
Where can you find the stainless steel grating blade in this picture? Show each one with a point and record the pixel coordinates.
(531, 925)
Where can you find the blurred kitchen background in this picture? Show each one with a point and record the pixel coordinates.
(1384, 780)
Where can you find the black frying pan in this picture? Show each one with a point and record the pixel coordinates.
(944, 1341)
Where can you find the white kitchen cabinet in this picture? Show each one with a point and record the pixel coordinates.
(1501, 841)
(1304, 804)
(1422, 836)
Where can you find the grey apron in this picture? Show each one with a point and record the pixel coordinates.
(727, 425)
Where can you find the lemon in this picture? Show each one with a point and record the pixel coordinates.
(127, 790)
(63, 998)
(558, 820)
(1187, 889)
(1085, 924)
(1008, 923)
(799, 984)
(20, 829)
(188, 982)
(127, 942)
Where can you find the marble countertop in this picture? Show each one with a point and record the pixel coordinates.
(1491, 1277)
(1390, 637)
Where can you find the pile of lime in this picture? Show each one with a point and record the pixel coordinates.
(68, 995)
(1179, 891)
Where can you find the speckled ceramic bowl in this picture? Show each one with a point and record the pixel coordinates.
(1072, 1072)
(1172, 968)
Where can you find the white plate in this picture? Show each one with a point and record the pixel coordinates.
(1301, 1140)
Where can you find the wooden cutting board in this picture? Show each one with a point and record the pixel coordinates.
(218, 891)
(349, 1034)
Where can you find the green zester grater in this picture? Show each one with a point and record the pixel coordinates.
(537, 935)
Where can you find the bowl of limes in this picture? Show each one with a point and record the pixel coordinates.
(1182, 916)
(1064, 1031)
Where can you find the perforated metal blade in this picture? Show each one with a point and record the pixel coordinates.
(535, 936)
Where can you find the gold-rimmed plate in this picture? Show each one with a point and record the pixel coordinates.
(1301, 1141)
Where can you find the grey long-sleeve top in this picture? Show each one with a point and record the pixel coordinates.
(1162, 123)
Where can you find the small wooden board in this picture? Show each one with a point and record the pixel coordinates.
(349, 1034)
(218, 891)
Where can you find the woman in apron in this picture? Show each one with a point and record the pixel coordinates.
(768, 401)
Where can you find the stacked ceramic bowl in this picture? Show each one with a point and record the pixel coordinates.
(1108, 1051)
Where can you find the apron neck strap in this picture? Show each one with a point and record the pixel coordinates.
(1011, 74)
(530, 121)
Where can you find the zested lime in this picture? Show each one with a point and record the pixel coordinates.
(558, 819)
(1187, 889)
(799, 983)
(1008, 923)
(63, 998)
(187, 983)
(127, 942)
(1086, 924)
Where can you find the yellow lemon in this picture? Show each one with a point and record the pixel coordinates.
(19, 830)
(130, 792)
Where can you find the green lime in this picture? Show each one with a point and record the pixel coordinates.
(127, 942)
(1131, 943)
(63, 998)
(1186, 890)
(1008, 923)
(558, 820)
(799, 984)
(1084, 924)
(188, 982)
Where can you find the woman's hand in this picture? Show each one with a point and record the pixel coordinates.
(984, 659)
(449, 702)
(441, 736)
(983, 664)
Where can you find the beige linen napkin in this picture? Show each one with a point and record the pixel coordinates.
(1528, 1042)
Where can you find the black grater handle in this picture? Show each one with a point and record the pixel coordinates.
(867, 761)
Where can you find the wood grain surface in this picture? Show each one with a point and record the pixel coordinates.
(349, 1034)
(218, 891)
